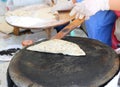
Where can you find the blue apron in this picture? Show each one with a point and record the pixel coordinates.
(100, 26)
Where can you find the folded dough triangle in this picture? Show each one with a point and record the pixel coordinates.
(58, 46)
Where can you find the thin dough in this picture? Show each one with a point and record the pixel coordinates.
(35, 12)
(58, 46)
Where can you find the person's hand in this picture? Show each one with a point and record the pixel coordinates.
(87, 8)
(63, 5)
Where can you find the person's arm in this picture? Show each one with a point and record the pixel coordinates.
(74, 1)
(87, 8)
(114, 4)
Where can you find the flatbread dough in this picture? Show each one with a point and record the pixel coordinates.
(58, 46)
(31, 16)
(33, 11)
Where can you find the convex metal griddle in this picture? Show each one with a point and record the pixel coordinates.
(39, 69)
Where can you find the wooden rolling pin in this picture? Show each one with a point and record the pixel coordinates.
(75, 23)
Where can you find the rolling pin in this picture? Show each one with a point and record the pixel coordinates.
(75, 23)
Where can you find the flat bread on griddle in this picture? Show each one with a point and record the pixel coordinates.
(58, 46)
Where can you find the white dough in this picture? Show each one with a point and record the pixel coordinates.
(33, 15)
(58, 46)
(44, 13)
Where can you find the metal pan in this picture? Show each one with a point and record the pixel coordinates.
(38, 69)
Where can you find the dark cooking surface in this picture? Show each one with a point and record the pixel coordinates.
(56, 70)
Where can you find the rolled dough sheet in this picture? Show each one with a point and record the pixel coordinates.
(58, 46)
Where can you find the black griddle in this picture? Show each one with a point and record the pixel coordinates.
(39, 69)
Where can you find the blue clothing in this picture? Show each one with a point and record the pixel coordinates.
(58, 28)
(100, 26)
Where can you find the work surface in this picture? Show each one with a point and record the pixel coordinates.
(30, 17)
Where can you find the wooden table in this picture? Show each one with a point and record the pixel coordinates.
(47, 25)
